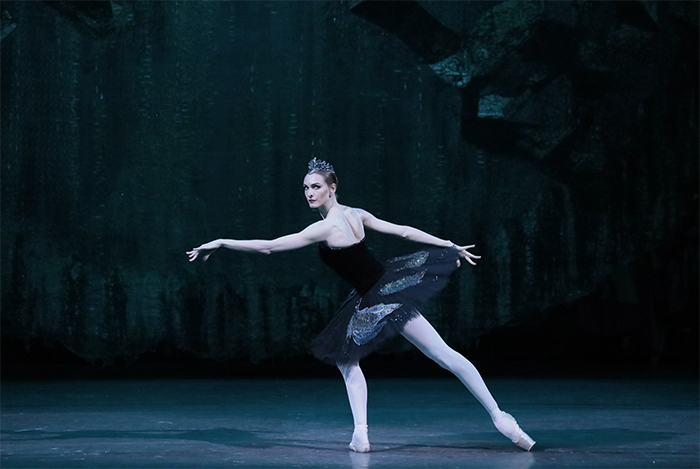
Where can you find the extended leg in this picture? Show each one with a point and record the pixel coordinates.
(356, 385)
(422, 334)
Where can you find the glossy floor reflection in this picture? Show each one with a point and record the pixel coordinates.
(417, 423)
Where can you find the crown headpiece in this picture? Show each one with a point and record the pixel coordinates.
(320, 165)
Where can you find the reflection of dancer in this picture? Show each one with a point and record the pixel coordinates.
(386, 299)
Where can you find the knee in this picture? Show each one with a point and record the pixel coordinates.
(447, 358)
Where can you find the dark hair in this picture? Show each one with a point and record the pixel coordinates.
(329, 176)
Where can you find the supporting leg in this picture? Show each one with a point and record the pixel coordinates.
(356, 386)
(422, 334)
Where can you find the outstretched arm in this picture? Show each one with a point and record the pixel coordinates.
(413, 234)
(313, 233)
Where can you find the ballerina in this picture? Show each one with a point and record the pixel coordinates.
(386, 300)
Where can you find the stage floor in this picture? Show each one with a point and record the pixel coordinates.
(414, 423)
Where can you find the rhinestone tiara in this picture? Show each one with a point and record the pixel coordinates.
(320, 165)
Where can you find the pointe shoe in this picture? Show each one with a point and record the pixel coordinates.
(506, 424)
(360, 441)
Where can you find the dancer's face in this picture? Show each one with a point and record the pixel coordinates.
(316, 190)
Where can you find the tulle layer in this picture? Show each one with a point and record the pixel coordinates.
(364, 323)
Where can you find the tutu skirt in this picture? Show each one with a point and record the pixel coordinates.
(365, 322)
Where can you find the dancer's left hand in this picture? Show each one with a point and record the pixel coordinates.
(464, 253)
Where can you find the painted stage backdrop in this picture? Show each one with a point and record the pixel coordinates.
(559, 137)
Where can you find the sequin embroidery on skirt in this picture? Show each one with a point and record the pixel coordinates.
(365, 322)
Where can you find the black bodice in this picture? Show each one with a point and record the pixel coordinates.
(353, 263)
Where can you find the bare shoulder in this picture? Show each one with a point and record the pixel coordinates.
(318, 230)
(360, 212)
(319, 225)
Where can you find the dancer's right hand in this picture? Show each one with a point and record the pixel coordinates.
(210, 246)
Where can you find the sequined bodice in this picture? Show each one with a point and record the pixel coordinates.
(353, 263)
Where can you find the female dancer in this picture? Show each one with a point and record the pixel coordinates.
(386, 300)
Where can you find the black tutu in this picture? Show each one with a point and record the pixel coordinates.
(365, 322)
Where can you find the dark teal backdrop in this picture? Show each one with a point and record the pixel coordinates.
(133, 131)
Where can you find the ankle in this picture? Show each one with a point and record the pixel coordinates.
(360, 431)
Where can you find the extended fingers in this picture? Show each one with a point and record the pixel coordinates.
(468, 255)
(193, 254)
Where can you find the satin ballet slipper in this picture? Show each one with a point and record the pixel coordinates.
(506, 424)
(360, 441)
